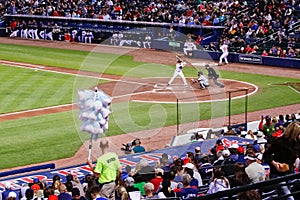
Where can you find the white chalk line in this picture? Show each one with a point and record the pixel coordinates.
(204, 101)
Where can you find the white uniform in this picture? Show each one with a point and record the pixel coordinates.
(203, 81)
(147, 41)
(224, 49)
(188, 46)
(88, 37)
(178, 72)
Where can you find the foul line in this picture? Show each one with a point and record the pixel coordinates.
(42, 68)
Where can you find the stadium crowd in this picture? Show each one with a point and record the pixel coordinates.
(273, 153)
(251, 27)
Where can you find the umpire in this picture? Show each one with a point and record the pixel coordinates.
(212, 74)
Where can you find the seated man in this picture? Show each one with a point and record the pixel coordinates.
(202, 80)
(188, 48)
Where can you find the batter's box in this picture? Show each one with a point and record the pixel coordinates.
(173, 87)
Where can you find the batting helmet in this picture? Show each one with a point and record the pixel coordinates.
(200, 73)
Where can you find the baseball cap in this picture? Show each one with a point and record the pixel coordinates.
(259, 134)
(226, 152)
(241, 150)
(129, 181)
(259, 156)
(198, 148)
(159, 170)
(256, 148)
(219, 142)
(243, 133)
(189, 165)
(12, 194)
(268, 117)
(250, 157)
(234, 146)
(35, 187)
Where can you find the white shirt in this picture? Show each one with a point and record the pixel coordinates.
(224, 48)
(256, 172)
(179, 66)
(189, 45)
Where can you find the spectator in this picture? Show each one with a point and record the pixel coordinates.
(156, 181)
(149, 191)
(76, 194)
(187, 191)
(189, 167)
(230, 131)
(254, 170)
(166, 190)
(240, 177)
(250, 135)
(96, 193)
(206, 169)
(137, 146)
(219, 182)
(75, 183)
(227, 163)
(7, 190)
(249, 195)
(284, 150)
(280, 121)
(64, 195)
(139, 183)
(49, 193)
(265, 53)
(198, 155)
(259, 159)
(211, 47)
(248, 49)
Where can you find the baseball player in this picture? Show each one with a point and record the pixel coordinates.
(224, 49)
(188, 48)
(202, 80)
(147, 41)
(212, 74)
(88, 37)
(178, 71)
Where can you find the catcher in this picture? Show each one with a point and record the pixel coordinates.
(202, 80)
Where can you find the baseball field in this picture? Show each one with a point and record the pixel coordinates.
(39, 83)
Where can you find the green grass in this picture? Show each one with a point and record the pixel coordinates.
(54, 136)
(38, 139)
